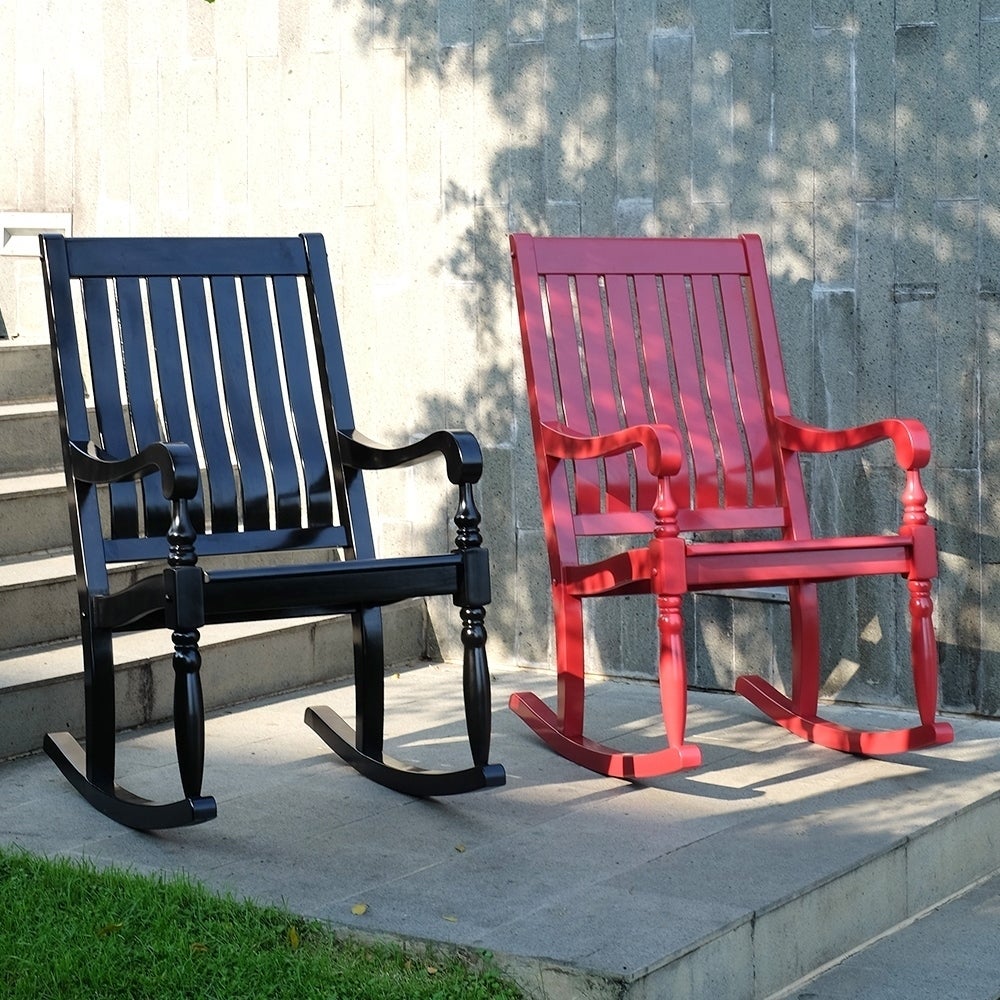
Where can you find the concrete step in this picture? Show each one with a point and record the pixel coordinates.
(950, 950)
(33, 514)
(25, 372)
(29, 438)
(41, 688)
(38, 595)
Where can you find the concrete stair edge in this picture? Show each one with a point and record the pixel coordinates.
(898, 959)
(34, 516)
(25, 371)
(39, 589)
(793, 941)
(29, 437)
(239, 664)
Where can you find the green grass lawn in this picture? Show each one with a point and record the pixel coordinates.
(69, 931)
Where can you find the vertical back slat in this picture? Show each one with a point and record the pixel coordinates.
(716, 373)
(573, 394)
(141, 399)
(239, 403)
(748, 391)
(775, 387)
(274, 417)
(660, 380)
(604, 391)
(221, 480)
(542, 387)
(348, 483)
(689, 388)
(306, 427)
(108, 402)
(170, 371)
(630, 378)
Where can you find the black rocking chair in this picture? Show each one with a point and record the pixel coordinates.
(224, 427)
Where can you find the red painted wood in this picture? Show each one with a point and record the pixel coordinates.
(659, 406)
(602, 390)
(662, 406)
(759, 443)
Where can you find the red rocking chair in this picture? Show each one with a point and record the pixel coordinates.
(659, 409)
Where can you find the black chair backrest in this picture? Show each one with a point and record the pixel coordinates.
(231, 346)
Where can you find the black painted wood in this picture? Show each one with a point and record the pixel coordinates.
(220, 394)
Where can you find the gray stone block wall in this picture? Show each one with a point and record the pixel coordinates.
(859, 138)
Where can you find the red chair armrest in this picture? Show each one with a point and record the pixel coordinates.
(909, 437)
(661, 443)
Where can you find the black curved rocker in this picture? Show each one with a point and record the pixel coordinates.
(224, 427)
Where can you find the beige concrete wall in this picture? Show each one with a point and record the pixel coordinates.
(859, 138)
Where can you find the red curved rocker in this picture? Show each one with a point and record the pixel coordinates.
(659, 408)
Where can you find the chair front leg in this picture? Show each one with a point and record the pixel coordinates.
(924, 568)
(923, 650)
(476, 683)
(189, 712)
(474, 595)
(667, 557)
(672, 668)
(185, 614)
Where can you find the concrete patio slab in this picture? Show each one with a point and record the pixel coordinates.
(732, 881)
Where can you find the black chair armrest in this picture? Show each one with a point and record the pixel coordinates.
(462, 453)
(175, 462)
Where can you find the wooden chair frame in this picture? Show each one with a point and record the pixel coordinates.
(660, 411)
(222, 426)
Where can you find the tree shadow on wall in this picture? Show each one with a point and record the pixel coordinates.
(616, 122)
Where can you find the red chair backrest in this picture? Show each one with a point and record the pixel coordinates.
(624, 331)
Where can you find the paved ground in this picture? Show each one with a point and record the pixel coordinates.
(728, 881)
